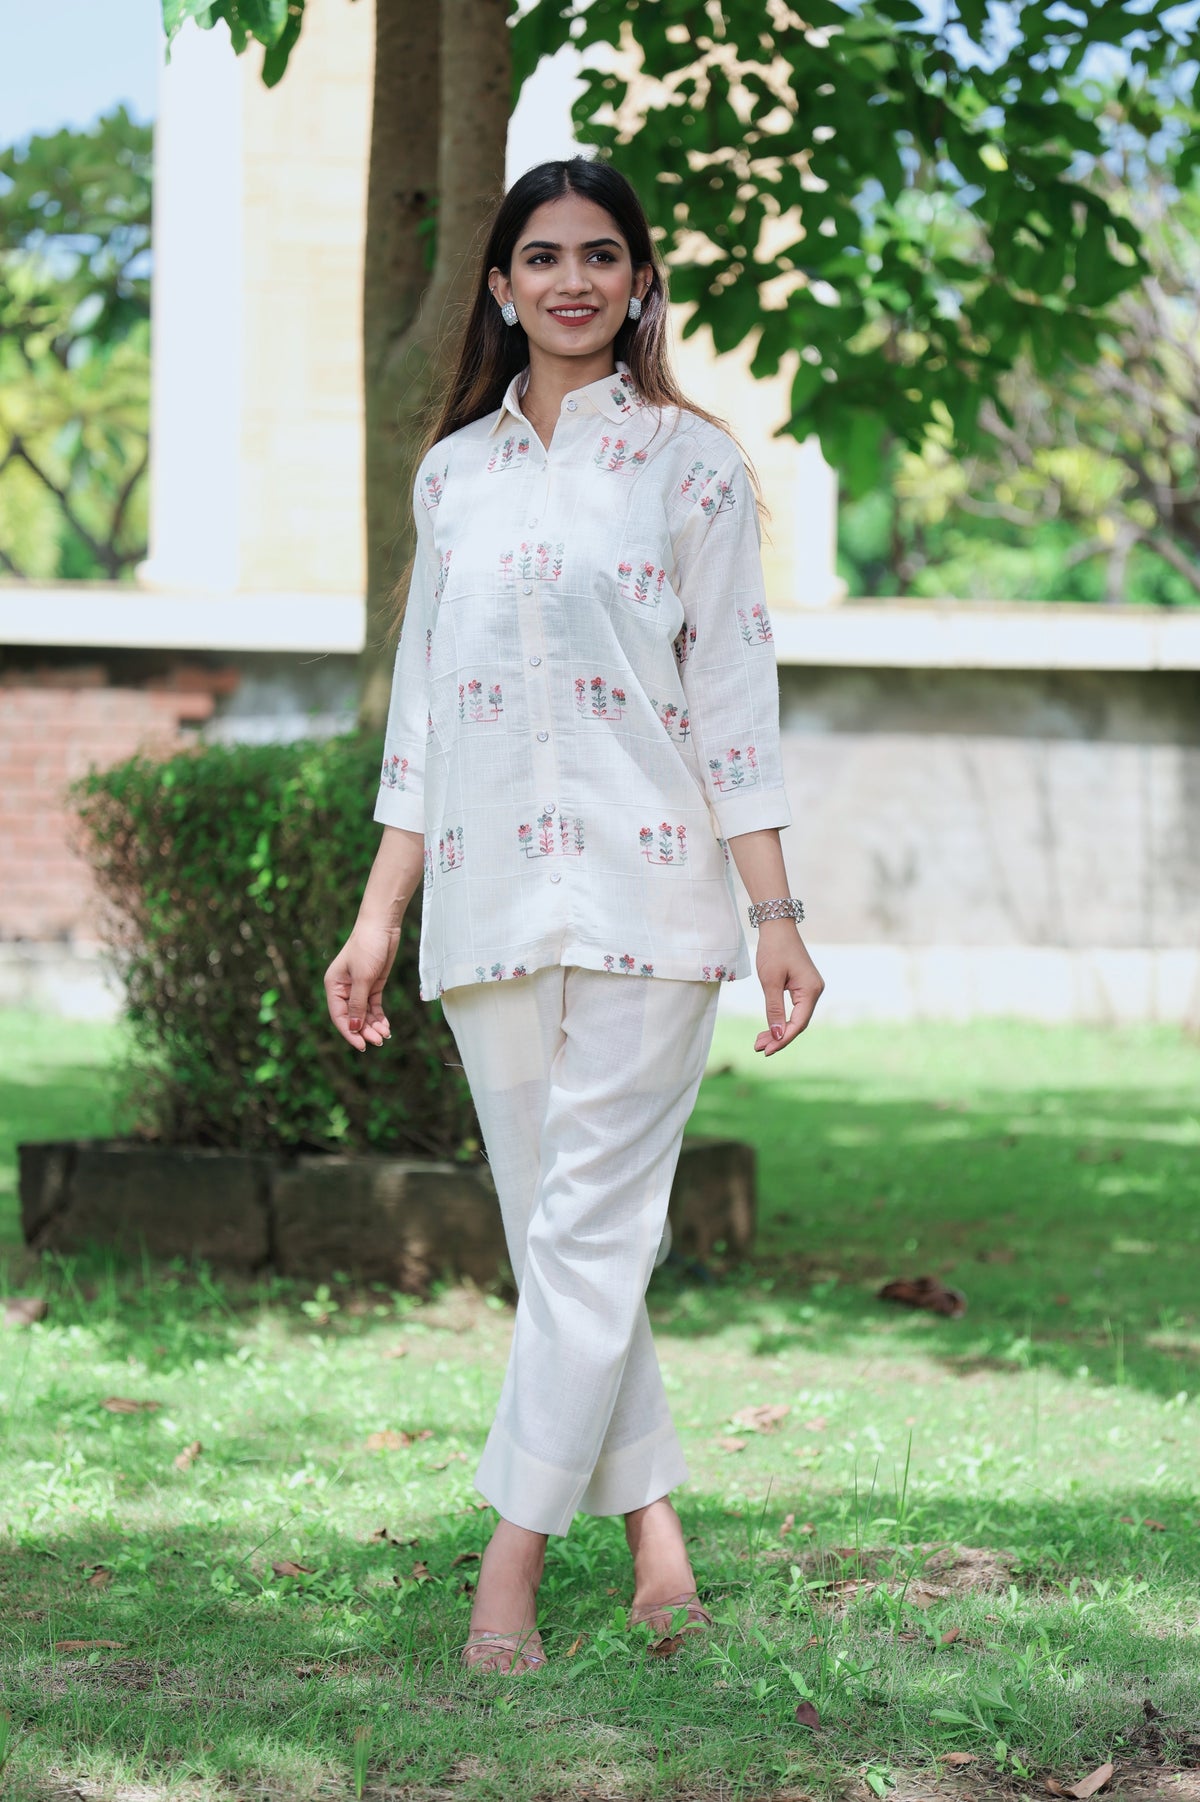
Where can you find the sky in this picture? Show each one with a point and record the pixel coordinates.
(63, 62)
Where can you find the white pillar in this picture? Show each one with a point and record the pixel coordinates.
(196, 318)
(814, 501)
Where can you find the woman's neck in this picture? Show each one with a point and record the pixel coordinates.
(551, 379)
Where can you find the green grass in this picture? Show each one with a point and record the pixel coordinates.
(1026, 1433)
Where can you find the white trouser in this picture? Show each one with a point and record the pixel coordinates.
(583, 1082)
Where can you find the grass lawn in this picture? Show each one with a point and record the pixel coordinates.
(971, 1546)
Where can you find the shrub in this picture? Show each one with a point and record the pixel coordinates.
(232, 874)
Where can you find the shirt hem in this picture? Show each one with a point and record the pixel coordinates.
(719, 966)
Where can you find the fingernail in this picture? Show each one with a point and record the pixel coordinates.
(355, 1025)
(777, 1032)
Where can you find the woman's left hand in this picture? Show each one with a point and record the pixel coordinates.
(784, 965)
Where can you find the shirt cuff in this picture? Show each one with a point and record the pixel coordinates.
(754, 811)
(405, 810)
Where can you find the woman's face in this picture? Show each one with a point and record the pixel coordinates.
(571, 278)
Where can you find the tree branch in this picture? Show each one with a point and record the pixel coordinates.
(102, 553)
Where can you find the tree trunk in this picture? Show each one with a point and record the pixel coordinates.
(442, 96)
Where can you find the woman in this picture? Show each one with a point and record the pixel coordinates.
(583, 731)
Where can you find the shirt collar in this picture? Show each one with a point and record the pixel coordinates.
(613, 395)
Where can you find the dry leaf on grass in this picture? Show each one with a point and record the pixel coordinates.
(920, 1597)
(789, 1521)
(382, 1536)
(763, 1417)
(807, 1715)
(188, 1455)
(421, 1571)
(1087, 1786)
(948, 1638)
(464, 1558)
(817, 1424)
(24, 1310)
(925, 1292)
(287, 1568)
(396, 1351)
(391, 1441)
(121, 1404)
(958, 1758)
(100, 1578)
(574, 1645)
(1155, 1526)
(454, 1458)
(89, 1645)
(666, 1648)
(731, 1445)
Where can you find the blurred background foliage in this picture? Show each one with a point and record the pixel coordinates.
(75, 351)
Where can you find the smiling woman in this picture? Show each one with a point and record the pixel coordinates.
(588, 560)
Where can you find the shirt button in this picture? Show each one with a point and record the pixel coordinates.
(549, 807)
(531, 522)
(528, 588)
(542, 737)
(571, 405)
(555, 876)
(535, 661)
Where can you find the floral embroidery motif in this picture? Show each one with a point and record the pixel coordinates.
(533, 563)
(671, 846)
(738, 769)
(427, 876)
(684, 644)
(498, 972)
(450, 848)
(394, 772)
(720, 500)
(511, 454)
(443, 572)
(642, 582)
(616, 455)
(432, 489)
(758, 632)
(696, 476)
(473, 707)
(566, 842)
(429, 725)
(668, 713)
(724, 848)
(624, 397)
(626, 965)
(428, 646)
(595, 700)
(718, 973)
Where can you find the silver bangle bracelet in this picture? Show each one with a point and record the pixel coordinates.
(789, 909)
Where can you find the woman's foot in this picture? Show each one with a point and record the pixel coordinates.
(504, 1635)
(662, 1571)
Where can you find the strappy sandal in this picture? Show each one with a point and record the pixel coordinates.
(659, 1617)
(523, 1651)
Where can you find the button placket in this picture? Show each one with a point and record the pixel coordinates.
(543, 752)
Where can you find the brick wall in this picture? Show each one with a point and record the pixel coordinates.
(57, 719)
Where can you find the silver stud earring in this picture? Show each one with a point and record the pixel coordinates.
(635, 308)
(508, 313)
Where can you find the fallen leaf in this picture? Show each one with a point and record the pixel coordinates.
(188, 1455)
(121, 1404)
(286, 1568)
(455, 1457)
(763, 1417)
(100, 1578)
(808, 1527)
(1099, 1154)
(1155, 1526)
(1052, 1788)
(1087, 1786)
(818, 1424)
(1062, 1301)
(396, 1351)
(612, 1591)
(789, 1521)
(925, 1292)
(89, 1645)
(732, 1445)
(951, 1634)
(382, 1536)
(666, 1647)
(814, 1640)
(421, 1571)
(998, 1254)
(909, 1636)
(1150, 1711)
(807, 1715)
(574, 1645)
(995, 1618)
(464, 1558)
(1127, 1520)
(391, 1441)
(922, 1598)
(959, 1758)
(24, 1310)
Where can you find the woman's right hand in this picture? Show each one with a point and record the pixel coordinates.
(354, 985)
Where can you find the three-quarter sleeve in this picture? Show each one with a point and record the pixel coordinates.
(726, 649)
(401, 799)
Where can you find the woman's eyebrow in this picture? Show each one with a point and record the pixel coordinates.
(592, 244)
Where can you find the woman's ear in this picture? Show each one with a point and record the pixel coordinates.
(643, 277)
(500, 286)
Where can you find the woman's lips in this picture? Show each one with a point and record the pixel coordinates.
(573, 317)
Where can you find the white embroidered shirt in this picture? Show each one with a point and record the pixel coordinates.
(585, 704)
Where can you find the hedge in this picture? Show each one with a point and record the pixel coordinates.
(231, 875)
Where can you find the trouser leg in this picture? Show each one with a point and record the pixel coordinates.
(583, 1419)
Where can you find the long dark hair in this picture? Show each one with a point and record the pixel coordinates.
(491, 352)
